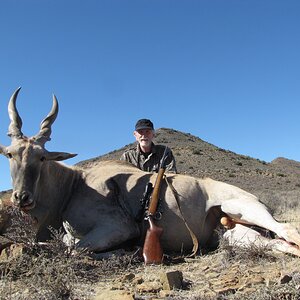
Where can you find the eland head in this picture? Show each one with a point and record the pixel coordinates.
(28, 156)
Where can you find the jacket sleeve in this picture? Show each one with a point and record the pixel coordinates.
(123, 156)
(129, 157)
(171, 163)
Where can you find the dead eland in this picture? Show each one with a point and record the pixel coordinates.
(99, 206)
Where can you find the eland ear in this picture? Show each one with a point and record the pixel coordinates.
(2, 149)
(59, 155)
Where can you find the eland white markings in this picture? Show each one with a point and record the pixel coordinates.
(100, 204)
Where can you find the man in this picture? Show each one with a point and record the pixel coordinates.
(147, 156)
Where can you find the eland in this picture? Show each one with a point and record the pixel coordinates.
(99, 206)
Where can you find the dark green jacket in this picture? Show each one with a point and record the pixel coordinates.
(150, 162)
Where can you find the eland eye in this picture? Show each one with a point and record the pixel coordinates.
(43, 158)
(9, 155)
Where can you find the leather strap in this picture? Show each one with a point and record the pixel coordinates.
(193, 236)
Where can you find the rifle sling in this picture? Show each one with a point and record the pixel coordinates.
(193, 236)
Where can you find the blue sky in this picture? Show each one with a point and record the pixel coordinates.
(225, 71)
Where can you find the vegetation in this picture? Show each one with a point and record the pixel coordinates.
(53, 271)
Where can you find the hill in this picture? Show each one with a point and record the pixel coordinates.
(272, 182)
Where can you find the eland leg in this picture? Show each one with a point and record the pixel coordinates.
(243, 236)
(252, 212)
(103, 238)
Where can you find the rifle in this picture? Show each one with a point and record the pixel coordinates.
(152, 250)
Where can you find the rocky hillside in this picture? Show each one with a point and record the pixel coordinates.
(271, 181)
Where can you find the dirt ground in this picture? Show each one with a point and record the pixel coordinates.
(227, 273)
(211, 276)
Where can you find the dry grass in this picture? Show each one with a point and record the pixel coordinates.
(50, 271)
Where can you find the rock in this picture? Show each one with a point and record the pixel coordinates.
(138, 280)
(128, 277)
(114, 295)
(285, 279)
(171, 280)
(165, 294)
(13, 251)
(117, 286)
(149, 287)
(4, 242)
(225, 291)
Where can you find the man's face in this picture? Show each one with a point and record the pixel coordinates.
(144, 137)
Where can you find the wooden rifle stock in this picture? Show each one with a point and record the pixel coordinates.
(152, 250)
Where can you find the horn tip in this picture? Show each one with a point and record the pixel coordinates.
(16, 92)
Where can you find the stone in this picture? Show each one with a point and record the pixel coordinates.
(128, 277)
(4, 242)
(114, 295)
(138, 280)
(171, 280)
(13, 251)
(285, 279)
(165, 294)
(149, 287)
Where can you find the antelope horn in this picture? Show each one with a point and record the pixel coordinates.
(14, 129)
(45, 128)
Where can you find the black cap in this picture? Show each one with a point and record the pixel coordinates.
(144, 124)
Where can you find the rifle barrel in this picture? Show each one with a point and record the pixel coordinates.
(155, 194)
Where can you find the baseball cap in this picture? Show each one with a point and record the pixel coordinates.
(144, 124)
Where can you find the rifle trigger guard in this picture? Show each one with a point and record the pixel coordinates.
(158, 215)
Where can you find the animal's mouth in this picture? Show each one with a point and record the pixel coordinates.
(28, 205)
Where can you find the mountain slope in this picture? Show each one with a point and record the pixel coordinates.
(199, 158)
